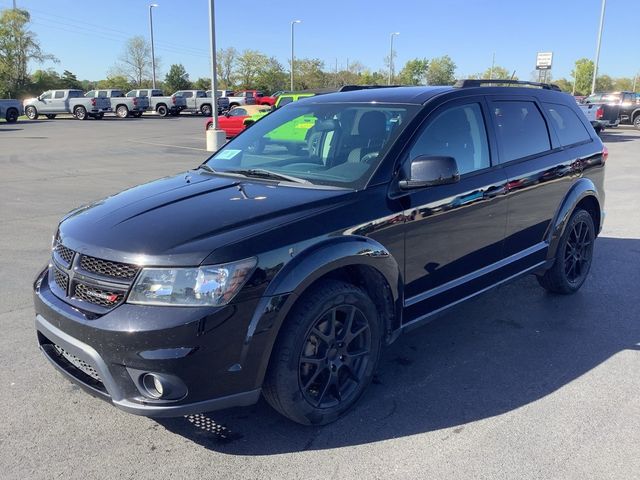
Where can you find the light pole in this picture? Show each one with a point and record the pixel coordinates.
(595, 65)
(391, 57)
(153, 53)
(215, 138)
(292, 24)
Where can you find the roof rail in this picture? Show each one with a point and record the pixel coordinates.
(476, 82)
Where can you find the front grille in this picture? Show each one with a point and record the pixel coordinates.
(107, 268)
(64, 253)
(97, 296)
(80, 364)
(61, 279)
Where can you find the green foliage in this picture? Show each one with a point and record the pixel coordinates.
(69, 80)
(495, 73)
(42, 80)
(604, 83)
(248, 67)
(202, 83)
(271, 77)
(583, 76)
(414, 72)
(135, 61)
(564, 84)
(176, 79)
(441, 71)
(226, 64)
(309, 74)
(116, 81)
(18, 47)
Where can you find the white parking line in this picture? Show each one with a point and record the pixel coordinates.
(168, 145)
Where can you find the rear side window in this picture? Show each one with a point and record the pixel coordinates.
(102, 94)
(59, 94)
(284, 100)
(567, 125)
(520, 129)
(186, 94)
(456, 132)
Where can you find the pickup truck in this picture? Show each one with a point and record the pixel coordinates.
(628, 104)
(235, 100)
(54, 102)
(198, 101)
(595, 113)
(10, 110)
(261, 98)
(122, 106)
(158, 102)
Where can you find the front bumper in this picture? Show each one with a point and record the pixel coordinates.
(200, 349)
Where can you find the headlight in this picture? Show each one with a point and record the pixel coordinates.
(213, 285)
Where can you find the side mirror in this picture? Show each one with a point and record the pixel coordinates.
(431, 171)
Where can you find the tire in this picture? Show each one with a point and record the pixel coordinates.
(314, 375)
(80, 113)
(31, 112)
(98, 116)
(573, 257)
(162, 110)
(636, 121)
(598, 130)
(122, 111)
(11, 115)
(210, 126)
(51, 116)
(136, 114)
(206, 110)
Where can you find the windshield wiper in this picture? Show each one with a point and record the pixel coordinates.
(261, 173)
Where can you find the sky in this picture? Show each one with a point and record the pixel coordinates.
(87, 36)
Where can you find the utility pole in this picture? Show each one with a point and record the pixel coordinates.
(292, 57)
(153, 53)
(391, 57)
(493, 63)
(215, 138)
(595, 64)
(635, 78)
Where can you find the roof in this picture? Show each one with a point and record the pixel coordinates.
(252, 109)
(414, 95)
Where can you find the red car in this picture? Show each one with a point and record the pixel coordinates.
(233, 122)
(261, 98)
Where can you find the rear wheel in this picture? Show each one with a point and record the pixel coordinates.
(573, 257)
(80, 112)
(31, 113)
(51, 116)
(122, 111)
(205, 110)
(325, 355)
(12, 115)
(636, 121)
(162, 110)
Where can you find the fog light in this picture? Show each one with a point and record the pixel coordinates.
(153, 384)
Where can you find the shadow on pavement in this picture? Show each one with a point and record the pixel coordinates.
(501, 351)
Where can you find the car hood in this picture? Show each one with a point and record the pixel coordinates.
(180, 220)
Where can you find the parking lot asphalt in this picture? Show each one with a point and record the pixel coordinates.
(517, 383)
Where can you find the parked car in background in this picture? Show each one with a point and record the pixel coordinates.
(595, 113)
(261, 98)
(238, 118)
(10, 110)
(235, 101)
(158, 102)
(197, 101)
(628, 104)
(286, 273)
(55, 102)
(121, 105)
(289, 97)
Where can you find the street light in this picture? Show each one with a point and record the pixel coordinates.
(215, 138)
(292, 24)
(391, 57)
(595, 66)
(153, 53)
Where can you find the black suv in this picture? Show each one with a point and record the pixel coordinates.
(283, 264)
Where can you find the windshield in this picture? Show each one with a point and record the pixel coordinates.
(336, 144)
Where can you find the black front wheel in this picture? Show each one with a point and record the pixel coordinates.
(573, 257)
(325, 355)
(636, 121)
(162, 110)
(205, 110)
(12, 115)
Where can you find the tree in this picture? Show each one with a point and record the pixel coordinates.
(564, 84)
(226, 63)
(604, 83)
(177, 78)
(135, 61)
(623, 83)
(18, 47)
(309, 73)
(69, 80)
(202, 84)
(441, 71)
(272, 77)
(249, 65)
(495, 73)
(42, 80)
(414, 72)
(115, 81)
(582, 76)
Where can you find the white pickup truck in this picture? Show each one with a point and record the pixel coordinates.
(234, 100)
(601, 115)
(158, 102)
(120, 105)
(54, 102)
(10, 110)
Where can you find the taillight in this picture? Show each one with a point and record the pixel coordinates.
(173, 100)
(93, 102)
(135, 101)
(599, 113)
(605, 154)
